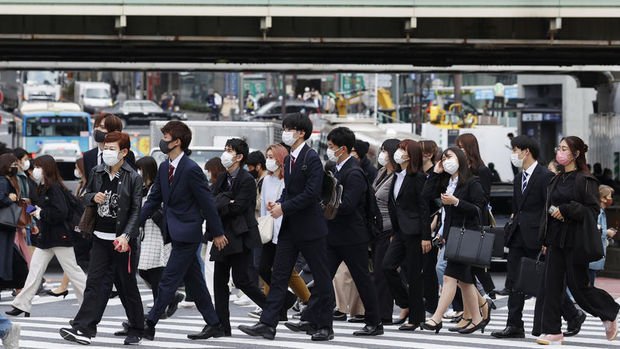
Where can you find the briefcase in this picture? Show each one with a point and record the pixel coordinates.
(530, 276)
(469, 246)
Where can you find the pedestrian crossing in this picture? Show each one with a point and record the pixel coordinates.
(41, 331)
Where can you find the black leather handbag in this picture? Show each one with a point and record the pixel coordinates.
(9, 216)
(530, 276)
(469, 246)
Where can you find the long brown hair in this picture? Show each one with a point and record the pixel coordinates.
(576, 144)
(414, 151)
(469, 143)
(51, 175)
(6, 160)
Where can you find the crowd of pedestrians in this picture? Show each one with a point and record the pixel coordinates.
(268, 221)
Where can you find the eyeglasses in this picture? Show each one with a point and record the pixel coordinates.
(557, 149)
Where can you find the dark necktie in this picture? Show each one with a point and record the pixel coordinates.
(229, 179)
(170, 173)
(524, 182)
(100, 159)
(292, 163)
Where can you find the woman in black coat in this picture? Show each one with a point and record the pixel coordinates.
(463, 199)
(410, 217)
(54, 238)
(572, 206)
(8, 196)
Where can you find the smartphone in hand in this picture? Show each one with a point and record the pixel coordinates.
(30, 209)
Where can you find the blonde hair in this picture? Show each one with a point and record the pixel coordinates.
(605, 190)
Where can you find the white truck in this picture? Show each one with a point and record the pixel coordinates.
(41, 85)
(92, 96)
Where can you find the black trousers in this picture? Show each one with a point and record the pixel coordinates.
(516, 300)
(484, 276)
(321, 305)
(240, 264)
(152, 277)
(431, 284)
(109, 267)
(560, 267)
(268, 255)
(355, 257)
(385, 301)
(184, 266)
(406, 248)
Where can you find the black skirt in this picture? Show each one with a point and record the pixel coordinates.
(461, 272)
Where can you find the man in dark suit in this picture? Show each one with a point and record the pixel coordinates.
(528, 206)
(348, 236)
(235, 198)
(104, 124)
(303, 230)
(187, 201)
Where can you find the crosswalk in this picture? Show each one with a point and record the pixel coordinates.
(41, 331)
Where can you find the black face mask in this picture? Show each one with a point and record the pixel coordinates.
(254, 173)
(100, 136)
(163, 146)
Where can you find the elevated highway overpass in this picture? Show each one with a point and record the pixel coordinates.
(395, 32)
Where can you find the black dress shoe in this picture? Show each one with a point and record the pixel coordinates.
(574, 325)
(301, 326)
(124, 332)
(323, 334)
(509, 332)
(17, 312)
(370, 330)
(207, 332)
(172, 308)
(259, 330)
(132, 340)
(149, 330)
(340, 316)
(357, 319)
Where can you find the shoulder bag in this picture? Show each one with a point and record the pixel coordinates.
(9, 216)
(530, 276)
(470, 246)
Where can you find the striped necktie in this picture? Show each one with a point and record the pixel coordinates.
(524, 181)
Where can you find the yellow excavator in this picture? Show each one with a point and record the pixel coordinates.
(384, 99)
(453, 118)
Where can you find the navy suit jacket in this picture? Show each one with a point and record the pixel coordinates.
(303, 218)
(349, 225)
(187, 202)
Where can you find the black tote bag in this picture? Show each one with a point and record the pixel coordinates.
(530, 276)
(9, 216)
(469, 246)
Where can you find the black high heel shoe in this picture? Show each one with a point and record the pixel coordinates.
(63, 294)
(468, 330)
(458, 328)
(486, 319)
(401, 320)
(437, 327)
(17, 312)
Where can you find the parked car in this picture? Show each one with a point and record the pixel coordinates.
(273, 110)
(142, 112)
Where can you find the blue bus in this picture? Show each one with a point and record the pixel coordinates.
(44, 123)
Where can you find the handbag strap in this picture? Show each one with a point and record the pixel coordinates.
(479, 219)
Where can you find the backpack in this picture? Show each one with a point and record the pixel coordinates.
(76, 209)
(373, 217)
(331, 191)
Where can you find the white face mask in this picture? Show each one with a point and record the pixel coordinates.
(110, 157)
(399, 156)
(272, 165)
(451, 166)
(227, 159)
(383, 158)
(516, 162)
(331, 155)
(288, 138)
(37, 175)
(77, 173)
(26, 165)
